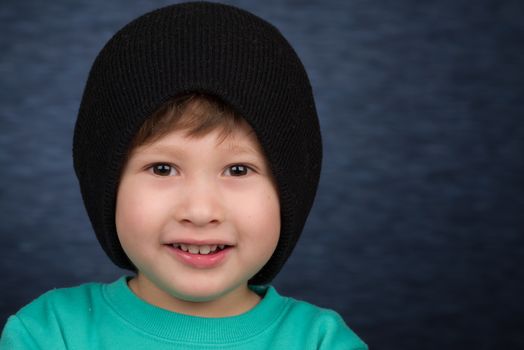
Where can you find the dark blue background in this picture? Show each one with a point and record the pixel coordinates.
(416, 237)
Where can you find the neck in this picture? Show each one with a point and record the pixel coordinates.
(232, 303)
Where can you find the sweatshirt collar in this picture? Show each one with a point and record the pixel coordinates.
(192, 329)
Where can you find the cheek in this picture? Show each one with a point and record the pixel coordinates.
(274, 218)
(271, 221)
(135, 212)
(261, 218)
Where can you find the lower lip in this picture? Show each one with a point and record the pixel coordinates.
(200, 261)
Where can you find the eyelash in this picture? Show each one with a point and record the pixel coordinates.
(163, 165)
(247, 169)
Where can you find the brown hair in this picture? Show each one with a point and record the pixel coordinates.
(197, 113)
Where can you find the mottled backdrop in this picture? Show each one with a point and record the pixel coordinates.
(416, 237)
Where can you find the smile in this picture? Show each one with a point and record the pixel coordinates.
(200, 256)
(200, 249)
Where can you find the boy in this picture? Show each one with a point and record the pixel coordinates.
(197, 148)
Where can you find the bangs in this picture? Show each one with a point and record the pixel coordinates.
(197, 114)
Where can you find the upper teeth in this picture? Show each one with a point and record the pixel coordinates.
(199, 249)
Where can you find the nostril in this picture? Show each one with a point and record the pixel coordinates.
(200, 222)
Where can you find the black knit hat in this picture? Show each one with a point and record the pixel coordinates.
(206, 48)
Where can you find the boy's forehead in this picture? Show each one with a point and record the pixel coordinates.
(240, 140)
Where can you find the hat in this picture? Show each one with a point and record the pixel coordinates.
(207, 48)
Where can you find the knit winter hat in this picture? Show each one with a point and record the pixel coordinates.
(208, 48)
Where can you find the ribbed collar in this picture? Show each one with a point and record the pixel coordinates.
(191, 329)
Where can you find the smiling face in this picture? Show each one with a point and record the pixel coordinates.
(198, 216)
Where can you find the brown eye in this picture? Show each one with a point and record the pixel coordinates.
(238, 170)
(163, 169)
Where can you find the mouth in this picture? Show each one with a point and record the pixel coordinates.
(201, 256)
(201, 249)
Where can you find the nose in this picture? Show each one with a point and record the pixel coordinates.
(200, 204)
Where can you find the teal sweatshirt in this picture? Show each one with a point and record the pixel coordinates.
(111, 316)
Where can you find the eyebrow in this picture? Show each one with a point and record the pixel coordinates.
(157, 149)
(169, 150)
(238, 149)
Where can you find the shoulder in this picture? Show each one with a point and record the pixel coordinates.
(321, 326)
(42, 320)
(72, 299)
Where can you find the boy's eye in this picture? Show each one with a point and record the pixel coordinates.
(237, 170)
(163, 169)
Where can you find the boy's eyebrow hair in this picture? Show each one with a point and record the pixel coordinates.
(150, 151)
(169, 149)
(236, 148)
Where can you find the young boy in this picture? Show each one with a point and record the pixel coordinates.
(197, 148)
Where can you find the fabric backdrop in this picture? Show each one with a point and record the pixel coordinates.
(416, 237)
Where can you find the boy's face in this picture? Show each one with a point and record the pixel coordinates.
(181, 199)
